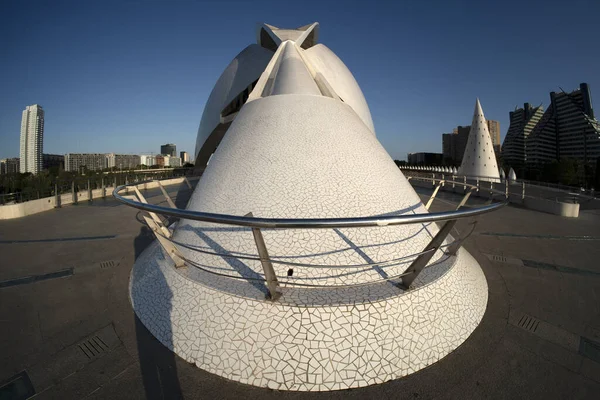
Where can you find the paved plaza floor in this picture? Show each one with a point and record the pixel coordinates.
(68, 330)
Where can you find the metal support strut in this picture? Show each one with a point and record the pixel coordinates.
(263, 254)
(421, 261)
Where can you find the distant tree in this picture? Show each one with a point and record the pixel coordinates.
(567, 171)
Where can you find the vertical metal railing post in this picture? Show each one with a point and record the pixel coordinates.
(437, 188)
(89, 190)
(421, 261)
(465, 182)
(56, 196)
(103, 188)
(263, 254)
(523, 191)
(73, 194)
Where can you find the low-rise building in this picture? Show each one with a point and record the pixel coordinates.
(53, 160)
(77, 162)
(148, 160)
(9, 166)
(174, 162)
(424, 158)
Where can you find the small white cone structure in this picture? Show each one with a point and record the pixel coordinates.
(479, 160)
(502, 174)
(512, 176)
(455, 171)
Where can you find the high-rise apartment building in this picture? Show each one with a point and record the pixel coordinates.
(522, 122)
(568, 129)
(32, 139)
(9, 166)
(185, 157)
(494, 129)
(168, 149)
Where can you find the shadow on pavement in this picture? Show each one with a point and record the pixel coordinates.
(157, 362)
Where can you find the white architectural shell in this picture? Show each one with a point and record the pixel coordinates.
(512, 176)
(245, 68)
(303, 146)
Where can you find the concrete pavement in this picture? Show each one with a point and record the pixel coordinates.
(77, 337)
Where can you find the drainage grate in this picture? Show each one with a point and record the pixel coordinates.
(495, 257)
(93, 347)
(18, 387)
(107, 264)
(590, 349)
(528, 323)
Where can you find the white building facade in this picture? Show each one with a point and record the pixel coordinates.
(32, 139)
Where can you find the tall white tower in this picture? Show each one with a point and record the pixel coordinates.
(32, 139)
(479, 160)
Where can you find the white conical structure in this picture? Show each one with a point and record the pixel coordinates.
(455, 171)
(502, 174)
(512, 176)
(294, 139)
(479, 160)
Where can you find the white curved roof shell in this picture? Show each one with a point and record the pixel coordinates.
(244, 69)
(340, 78)
(302, 145)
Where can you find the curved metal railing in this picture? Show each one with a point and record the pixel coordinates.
(421, 259)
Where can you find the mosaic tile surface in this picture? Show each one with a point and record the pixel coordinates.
(307, 344)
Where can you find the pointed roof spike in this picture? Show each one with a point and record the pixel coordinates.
(477, 162)
(512, 176)
(271, 37)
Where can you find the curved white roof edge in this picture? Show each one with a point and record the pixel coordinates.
(244, 69)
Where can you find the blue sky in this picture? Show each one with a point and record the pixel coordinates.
(128, 76)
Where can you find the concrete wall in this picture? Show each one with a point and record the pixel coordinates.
(19, 210)
(555, 207)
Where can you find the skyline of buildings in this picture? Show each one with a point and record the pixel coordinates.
(555, 133)
(31, 144)
(33, 160)
(566, 129)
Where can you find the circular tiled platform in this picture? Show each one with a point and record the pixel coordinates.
(309, 340)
